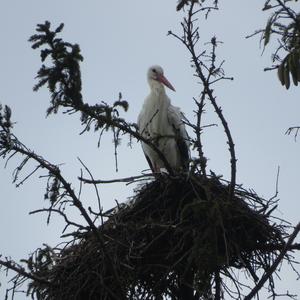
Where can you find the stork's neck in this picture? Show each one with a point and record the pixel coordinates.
(157, 88)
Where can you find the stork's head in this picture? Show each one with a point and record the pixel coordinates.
(157, 79)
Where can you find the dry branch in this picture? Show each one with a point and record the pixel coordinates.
(173, 226)
(190, 38)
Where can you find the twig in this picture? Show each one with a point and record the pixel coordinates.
(198, 134)
(125, 179)
(55, 171)
(270, 68)
(273, 267)
(29, 175)
(273, 247)
(291, 129)
(288, 11)
(96, 189)
(189, 39)
(10, 265)
(276, 185)
(60, 213)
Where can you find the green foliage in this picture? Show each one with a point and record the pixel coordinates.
(290, 66)
(5, 127)
(63, 77)
(182, 3)
(60, 72)
(5, 115)
(285, 23)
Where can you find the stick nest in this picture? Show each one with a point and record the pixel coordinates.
(177, 233)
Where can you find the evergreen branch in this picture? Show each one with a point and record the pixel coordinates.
(9, 142)
(284, 22)
(63, 78)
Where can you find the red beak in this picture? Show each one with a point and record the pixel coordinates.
(161, 78)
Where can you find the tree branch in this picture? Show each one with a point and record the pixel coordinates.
(125, 179)
(273, 267)
(19, 270)
(190, 39)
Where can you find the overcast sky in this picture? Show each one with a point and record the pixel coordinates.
(119, 41)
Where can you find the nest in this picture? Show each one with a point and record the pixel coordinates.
(178, 235)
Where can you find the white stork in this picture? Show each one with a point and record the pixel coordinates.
(162, 123)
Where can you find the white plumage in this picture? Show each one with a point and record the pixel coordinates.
(162, 123)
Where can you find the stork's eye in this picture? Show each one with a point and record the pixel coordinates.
(153, 70)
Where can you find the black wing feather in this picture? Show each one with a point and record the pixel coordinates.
(149, 162)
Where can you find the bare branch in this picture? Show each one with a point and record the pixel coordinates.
(9, 264)
(96, 189)
(125, 179)
(293, 129)
(68, 222)
(189, 39)
(274, 266)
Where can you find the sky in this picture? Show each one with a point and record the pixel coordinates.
(119, 41)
